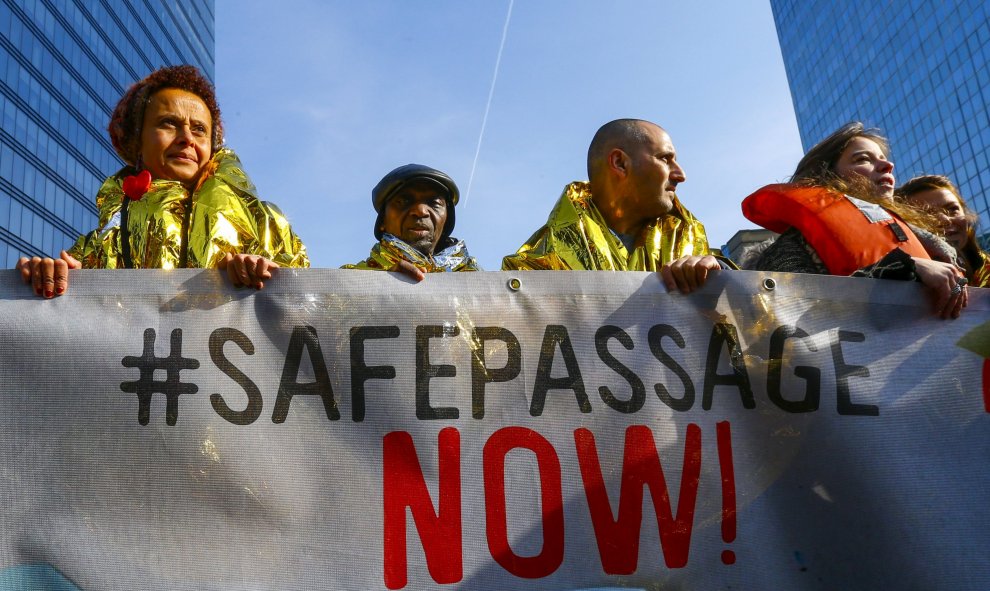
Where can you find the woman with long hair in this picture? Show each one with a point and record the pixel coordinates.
(837, 216)
(938, 195)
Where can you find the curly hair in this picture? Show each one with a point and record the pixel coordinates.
(128, 116)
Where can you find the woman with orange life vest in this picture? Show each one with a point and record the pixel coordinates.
(837, 217)
(939, 196)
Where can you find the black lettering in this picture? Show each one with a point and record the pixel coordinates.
(250, 414)
(481, 374)
(655, 338)
(638, 396)
(304, 337)
(360, 373)
(426, 372)
(811, 375)
(843, 372)
(723, 334)
(556, 336)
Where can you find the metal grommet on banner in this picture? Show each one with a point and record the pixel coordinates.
(769, 284)
(514, 284)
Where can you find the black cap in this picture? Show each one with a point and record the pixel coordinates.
(402, 175)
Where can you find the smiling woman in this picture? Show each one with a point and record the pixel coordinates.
(940, 196)
(182, 200)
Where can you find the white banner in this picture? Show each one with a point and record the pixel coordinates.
(352, 430)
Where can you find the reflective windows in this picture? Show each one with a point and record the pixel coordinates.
(919, 71)
(57, 90)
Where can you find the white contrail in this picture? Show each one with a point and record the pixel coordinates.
(491, 92)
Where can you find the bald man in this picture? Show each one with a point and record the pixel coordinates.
(627, 217)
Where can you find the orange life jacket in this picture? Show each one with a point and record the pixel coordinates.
(847, 233)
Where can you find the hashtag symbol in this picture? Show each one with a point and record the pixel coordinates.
(146, 385)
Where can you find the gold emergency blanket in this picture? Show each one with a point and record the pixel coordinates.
(577, 238)
(167, 228)
(981, 276)
(386, 254)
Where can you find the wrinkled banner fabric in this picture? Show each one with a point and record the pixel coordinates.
(540, 430)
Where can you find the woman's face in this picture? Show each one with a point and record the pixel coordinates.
(863, 157)
(176, 138)
(949, 211)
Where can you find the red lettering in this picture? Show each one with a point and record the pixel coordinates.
(403, 485)
(618, 539)
(986, 384)
(551, 502)
(723, 436)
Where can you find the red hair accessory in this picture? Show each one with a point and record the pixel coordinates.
(137, 185)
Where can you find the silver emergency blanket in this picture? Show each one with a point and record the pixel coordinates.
(540, 430)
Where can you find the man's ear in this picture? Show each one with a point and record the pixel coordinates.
(618, 162)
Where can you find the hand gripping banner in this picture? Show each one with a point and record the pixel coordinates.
(539, 430)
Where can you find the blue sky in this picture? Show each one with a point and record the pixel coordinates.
(322, 99)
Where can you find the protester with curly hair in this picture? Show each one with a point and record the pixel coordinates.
(938, 195)
(182, 200)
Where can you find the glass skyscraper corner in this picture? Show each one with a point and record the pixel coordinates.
(64, 64)
(916, 69)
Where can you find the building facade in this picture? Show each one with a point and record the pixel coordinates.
(916, 69)
(64, 66)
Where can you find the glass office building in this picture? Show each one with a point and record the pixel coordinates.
(64, 66)
(918, 70)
